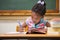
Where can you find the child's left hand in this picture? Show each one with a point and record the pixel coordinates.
(44, 30)
(34, 30)
(37, 30)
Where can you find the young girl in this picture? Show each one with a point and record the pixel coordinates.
(36, 23)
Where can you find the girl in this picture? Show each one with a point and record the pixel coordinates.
(36, 23)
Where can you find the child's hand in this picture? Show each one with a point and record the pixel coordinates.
(34, 30)
(42, 30)
(37, 30)
(21, 30)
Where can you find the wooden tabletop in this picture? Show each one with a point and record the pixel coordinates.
(29, 35)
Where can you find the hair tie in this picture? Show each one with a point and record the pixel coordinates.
(41, 2)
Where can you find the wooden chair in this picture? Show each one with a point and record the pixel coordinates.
(26, 29)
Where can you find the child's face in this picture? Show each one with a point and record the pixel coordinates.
(35, 17)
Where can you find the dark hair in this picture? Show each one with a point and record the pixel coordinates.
(39, 8)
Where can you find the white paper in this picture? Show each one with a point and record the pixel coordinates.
(15, 33)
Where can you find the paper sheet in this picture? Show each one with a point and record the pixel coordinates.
(15, 33)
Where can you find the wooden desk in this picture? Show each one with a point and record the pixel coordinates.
(29, 36)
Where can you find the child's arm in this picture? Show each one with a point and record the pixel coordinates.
(44, 30)
(40, 31)
(23, 26)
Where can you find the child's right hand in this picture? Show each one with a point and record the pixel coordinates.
(21, 30)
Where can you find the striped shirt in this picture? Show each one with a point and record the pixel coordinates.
(31, 24)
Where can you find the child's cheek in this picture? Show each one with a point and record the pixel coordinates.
(34, 20)
(37, 21)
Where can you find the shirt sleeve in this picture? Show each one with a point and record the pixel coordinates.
(45, 21)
